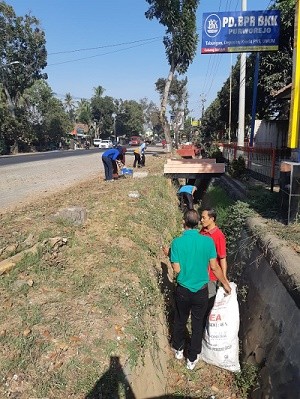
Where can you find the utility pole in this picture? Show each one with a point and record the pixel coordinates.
(242, 95)
(230, 101)
(203, 101)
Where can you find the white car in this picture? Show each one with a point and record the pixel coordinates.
(106, 144)
(103, 143)
(96, 142)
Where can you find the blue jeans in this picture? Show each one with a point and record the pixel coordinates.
(108, 167)
(187, 302)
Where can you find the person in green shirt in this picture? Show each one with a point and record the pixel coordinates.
(190, 255)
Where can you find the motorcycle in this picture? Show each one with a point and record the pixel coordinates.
(87, 145)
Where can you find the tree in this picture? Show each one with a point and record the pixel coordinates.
(22, 59)
(151, 116)
(48, 123)
(179, 18)
(130, 118)
(84, 112)
(102, 109)
(177, 101)
(69, 106)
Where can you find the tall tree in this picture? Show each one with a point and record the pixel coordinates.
(84, 111)
(151, 116)
(22, 57)
(180, 40)
(69, 105)
(130, 118)
(177, 100)
(48, 122)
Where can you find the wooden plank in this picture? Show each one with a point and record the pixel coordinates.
(190, 161)
(195, 168)
(191, 175)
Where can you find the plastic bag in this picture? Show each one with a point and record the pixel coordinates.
(220, 344)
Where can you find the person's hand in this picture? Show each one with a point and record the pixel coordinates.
(166, 250)
(227, 287)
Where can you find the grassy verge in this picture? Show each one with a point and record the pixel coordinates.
(65, 314)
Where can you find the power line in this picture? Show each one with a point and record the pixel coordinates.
(106, 46)
(99, 55)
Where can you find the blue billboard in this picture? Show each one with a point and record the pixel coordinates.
(240, 31)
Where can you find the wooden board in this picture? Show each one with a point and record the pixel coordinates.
(178, 161)
(193, 168)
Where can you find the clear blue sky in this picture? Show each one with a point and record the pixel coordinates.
(128, 55)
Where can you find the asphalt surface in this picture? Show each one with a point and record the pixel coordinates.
(26, 177)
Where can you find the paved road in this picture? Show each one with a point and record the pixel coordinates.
(24, 178)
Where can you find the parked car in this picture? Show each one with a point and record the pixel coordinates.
(106, 144)
(96, 142)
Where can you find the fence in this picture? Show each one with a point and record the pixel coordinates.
(262, 163)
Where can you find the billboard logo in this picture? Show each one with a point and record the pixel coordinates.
(212, 25)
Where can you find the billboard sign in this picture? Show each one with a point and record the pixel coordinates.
(240, 31)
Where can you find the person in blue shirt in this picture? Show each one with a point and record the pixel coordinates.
(186, 196)
(109, 158)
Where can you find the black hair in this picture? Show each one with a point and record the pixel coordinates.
(191, 218)
(212, 213)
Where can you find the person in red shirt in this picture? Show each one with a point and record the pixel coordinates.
(210, 229)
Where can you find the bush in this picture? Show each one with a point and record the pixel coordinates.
(3, 147)
(237, 168)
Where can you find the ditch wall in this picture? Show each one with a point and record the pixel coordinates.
(269, 309)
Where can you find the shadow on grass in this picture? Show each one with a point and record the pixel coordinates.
(113, 384)
(167, 288)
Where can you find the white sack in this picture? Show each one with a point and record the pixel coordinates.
(220, 344)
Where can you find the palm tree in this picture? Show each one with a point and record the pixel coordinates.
(69, 106)
(99, 90)
(83, 112)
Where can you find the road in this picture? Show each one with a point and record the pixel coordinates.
(24, 178)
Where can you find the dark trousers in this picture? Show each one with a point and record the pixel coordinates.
(186, 200)
(137, 160)
(187, 302)
(108, 168)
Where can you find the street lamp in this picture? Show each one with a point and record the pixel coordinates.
(114, 115)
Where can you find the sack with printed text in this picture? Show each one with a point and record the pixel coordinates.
(220, 344)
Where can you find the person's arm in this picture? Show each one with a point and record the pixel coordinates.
(166, 250)
(176, 267)
(194, 189)
(223, 264)
(219, 274)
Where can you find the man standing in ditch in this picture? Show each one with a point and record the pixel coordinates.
(190, 255)
(210, 229)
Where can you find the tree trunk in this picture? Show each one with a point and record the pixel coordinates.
(163, 120)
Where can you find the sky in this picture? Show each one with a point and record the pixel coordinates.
(110, 43)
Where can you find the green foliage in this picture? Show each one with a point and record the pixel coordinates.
(263, 201)
(237, 168)
(130, 118)
(213, 151)
(236, 219)
(180, 41)
(246, 379)
(23, 49)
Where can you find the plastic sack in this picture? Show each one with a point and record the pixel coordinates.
(220, 344)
